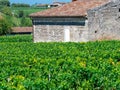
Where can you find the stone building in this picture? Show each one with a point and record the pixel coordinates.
(78, 21)
(56, 4)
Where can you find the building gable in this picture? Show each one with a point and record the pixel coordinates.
(104, 22)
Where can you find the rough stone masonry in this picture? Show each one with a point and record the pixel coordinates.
(104, 22)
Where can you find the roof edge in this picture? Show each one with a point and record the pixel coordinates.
(85, 16)
(99, 7)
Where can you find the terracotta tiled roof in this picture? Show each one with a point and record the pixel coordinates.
(76, 8)
(21, 29)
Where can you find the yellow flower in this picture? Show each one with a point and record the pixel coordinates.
(35, 61)
(20, 77)
(111, 61)
(82, 64)
(20, 87)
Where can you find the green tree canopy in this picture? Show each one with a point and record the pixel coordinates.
(21, 14)
(5, 26)
(4, 3)
(20, 5)
(6, 10)
(26, 21)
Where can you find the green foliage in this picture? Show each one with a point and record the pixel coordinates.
(20, 5)
(15, 38)
(21, 14)
(60, 66)
(6, 11)
(18, 13)
(4, 3)
(15, 21)
(26, 10)
(18, 16)
(26, 21)
(5, 26)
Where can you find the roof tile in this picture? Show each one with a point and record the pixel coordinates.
(76, 8)
(21, 29)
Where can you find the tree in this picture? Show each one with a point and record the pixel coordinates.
(5, 26)
(26, 21)
(6, 10)
(20, 5)
(4, 3)
(21, 14)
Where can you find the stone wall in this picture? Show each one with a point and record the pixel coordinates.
(54, 29)
(56, 33)
(104, 22)
(47, 33)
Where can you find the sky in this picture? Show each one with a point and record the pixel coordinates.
(31, 2)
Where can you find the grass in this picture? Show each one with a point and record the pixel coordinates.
(16, 20)
(27, 10)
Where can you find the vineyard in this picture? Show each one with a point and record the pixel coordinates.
(25, 65)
